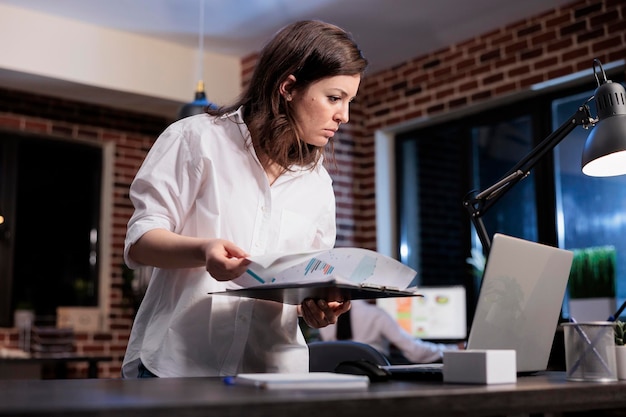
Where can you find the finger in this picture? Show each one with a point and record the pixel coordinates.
(234, 251)
(312, 314)
(329, 316)
(227, 269)
(237, 266)
(340, 307)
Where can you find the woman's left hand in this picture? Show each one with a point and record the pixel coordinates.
(319, 313)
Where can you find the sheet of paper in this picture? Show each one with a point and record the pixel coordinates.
(357, 266)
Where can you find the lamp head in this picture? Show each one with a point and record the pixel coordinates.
(604, 154)
(199, 105)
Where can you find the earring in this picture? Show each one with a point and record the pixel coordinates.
(288, 97)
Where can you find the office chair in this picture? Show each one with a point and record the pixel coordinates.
(325, 356)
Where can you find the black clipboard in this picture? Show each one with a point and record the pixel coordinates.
(331, 290)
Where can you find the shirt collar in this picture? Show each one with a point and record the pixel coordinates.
(237, 117)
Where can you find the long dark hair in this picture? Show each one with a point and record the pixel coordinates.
(309, 50)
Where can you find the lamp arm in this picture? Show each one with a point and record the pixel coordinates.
(477, 203)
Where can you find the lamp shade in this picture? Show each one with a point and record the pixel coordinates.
(604, 154)
(199, 105)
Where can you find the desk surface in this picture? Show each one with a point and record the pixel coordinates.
(57, 357)
(211, 397)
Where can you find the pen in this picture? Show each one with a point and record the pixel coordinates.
(615, 315)
(591, 345)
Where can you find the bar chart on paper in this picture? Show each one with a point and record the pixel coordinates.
(334, 275)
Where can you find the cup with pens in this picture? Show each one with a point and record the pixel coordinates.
(590, 349)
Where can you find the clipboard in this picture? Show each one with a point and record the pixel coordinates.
(331, 290)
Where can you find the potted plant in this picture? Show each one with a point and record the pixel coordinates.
(591, 285)
(620, 349)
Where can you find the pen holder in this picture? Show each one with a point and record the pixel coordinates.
(590, 351)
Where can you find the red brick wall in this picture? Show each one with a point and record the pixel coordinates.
(493, 65)
(502, 62)
(133, 135)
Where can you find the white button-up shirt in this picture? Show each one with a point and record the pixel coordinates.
(202, 178)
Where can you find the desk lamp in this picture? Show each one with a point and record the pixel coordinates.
(604, 153)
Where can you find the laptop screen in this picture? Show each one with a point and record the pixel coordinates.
(520, 300)
(440, 314)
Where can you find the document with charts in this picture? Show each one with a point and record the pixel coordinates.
(334, 275)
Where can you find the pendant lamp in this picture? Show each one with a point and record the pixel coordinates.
(200, 102)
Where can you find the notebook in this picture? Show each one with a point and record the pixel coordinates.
(518, 306)
(308, 381)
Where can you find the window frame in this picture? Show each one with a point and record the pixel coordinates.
(8, 170)
(536, 103)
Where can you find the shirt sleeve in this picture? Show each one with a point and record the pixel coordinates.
(415, 350)
(164, 188)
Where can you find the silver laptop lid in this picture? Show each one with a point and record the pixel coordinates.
(520, 300)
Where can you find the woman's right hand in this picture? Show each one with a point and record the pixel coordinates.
(225, 261)
(165, 249)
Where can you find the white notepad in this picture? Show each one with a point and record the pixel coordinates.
(309, 380)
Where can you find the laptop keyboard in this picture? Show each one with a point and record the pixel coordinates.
(419, 372)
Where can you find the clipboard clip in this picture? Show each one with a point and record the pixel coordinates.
(383, 288)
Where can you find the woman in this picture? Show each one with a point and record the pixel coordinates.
(243, 180)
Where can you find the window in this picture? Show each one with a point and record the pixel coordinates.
(50, 252)
(440, 165)
(590, 210)
(431, 180)
(497, 147)
(556, 204)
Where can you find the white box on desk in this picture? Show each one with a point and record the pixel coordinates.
(492, 366)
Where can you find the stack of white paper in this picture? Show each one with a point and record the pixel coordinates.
(309, 380)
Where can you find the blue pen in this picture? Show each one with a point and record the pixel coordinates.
(615, 315)
(591, 346)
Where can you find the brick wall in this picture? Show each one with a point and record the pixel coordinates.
(133, 135)
(502, 62)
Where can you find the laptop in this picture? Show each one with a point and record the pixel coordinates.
(518, 306)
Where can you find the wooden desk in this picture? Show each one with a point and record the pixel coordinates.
(548, 393)
(29, 368)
